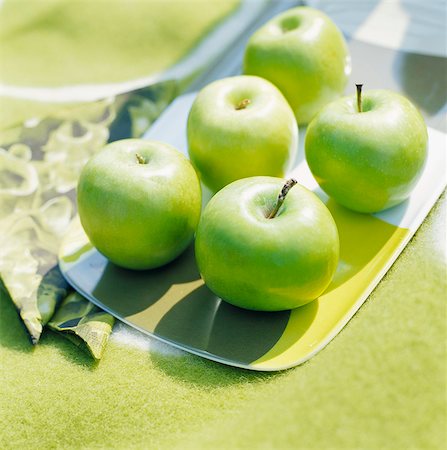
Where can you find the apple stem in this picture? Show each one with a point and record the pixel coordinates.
(359, 97)
(281, 197)
(243, 104)
(140, 159)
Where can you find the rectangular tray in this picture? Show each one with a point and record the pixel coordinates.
(173, 304)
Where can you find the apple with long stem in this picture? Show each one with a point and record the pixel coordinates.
(367, 151)
(239, 127)
(304, 54)
(139, 203)
(263, 251)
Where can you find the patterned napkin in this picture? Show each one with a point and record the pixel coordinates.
(39, 166)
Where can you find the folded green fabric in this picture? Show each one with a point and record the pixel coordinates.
(83, 323)
(68, 313)
(53, 289)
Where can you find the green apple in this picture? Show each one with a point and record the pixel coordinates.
(239, 127)
(367, 153)
(139, 203)
(304, 54)
(265, 252)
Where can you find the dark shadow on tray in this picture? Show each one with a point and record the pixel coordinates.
(225, 336)
(128, 292)
(204, 322)
(422, 76)
(196, 319)
(423, 80)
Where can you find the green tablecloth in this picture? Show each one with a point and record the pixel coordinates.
(381, 384)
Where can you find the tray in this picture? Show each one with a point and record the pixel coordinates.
(174, 305)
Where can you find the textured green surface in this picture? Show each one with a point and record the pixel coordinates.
(381, 384)
(63, 42)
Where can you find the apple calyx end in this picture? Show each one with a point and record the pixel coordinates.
(359, 97)
(140, 159)
(282, 196)
(243, 104)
